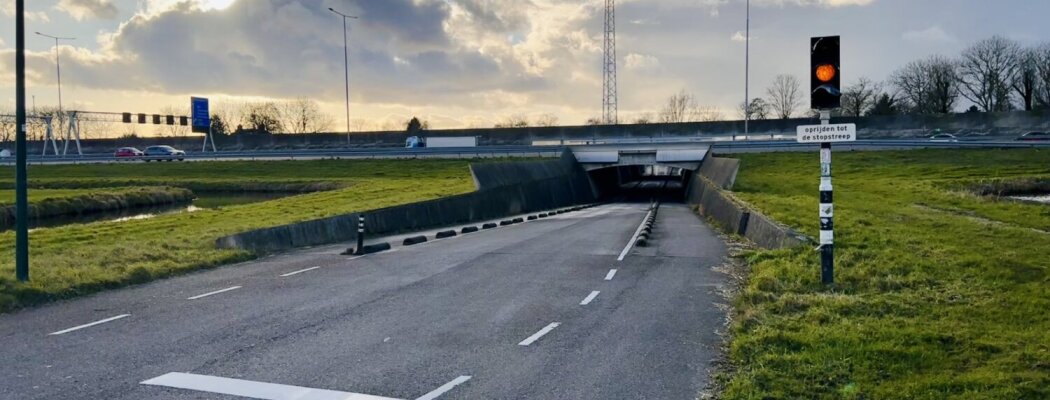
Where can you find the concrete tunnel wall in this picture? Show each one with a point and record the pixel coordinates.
(492, 202)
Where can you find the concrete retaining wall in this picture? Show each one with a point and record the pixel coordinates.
(492, 175)
(485, 204)
(735, 217)
(721, 171)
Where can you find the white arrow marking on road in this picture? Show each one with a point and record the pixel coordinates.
(90, 325)
(200, 296)
(589, 298)
(536, 336)
(444, 388)
(251, 389)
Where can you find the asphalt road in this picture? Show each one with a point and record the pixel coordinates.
(540, 310)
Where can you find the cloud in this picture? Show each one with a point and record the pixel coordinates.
(739, 36)
(8, 9)
(933, 34)
(85, 9)
(636, 61)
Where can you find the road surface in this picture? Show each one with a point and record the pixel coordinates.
(540, 310)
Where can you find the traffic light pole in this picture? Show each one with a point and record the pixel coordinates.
(827, 210)
(21, 172)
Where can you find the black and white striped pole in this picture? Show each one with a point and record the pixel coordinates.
(827, 210)
(360, 235)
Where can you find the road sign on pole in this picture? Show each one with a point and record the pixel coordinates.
(201, 120)
(826, 133)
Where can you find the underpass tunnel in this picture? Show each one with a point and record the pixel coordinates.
(631, 183)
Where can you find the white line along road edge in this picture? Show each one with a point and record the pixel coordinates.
(536, 336)
(589, 298)
(200, 296)
(444, 388)
(299, 272)
(110, 319)
(630, 244)
(611, 274)
(251, 389)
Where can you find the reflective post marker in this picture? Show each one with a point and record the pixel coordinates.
(827, 211)
(360, 235)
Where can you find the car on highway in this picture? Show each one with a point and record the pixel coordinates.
(128, 153)
(1035, 136)
(944, 137)
(164, 153)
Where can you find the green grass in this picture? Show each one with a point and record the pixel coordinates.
(7, 197)
(939, 294)
(71, 202)
(79, 259)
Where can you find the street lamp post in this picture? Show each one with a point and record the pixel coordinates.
(21, 173)
(747, 71)
(58, 69)
(346, 69)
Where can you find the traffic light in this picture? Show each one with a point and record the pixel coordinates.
(825, 74)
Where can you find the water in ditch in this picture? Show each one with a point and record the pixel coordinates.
(1035, 198)
(204, 201)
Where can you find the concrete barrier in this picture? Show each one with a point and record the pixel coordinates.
(446, 234)
(488, 226)
(736, 217)
(414, 240)
(721, 171)
(469, 229)
(369, 249)
(487, 204)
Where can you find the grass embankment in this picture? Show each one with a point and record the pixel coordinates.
(939, 293)
(79, 259)
(71, 202)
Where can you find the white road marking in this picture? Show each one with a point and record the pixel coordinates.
(251, 389)
(299, 272)
(199, 296)
(110, 319)
(611, 274)
(444, 388)
(536, 336)
(589, 298)
(634, 237)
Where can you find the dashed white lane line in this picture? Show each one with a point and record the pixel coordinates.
(110, 319)
(589, 298)
(536, 336)
(251, 389)
(611, 274)
(444, 388)
(299, 272)
(200, 296)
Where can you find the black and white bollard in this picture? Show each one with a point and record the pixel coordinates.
(360, 235)
(827, 217)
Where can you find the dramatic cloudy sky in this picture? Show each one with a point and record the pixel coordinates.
(472, 62)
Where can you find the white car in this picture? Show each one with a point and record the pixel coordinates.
(944, 138)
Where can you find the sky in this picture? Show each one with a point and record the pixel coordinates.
(472, 63)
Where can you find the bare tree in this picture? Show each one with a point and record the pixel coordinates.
(513, 121)
(594, 121)
(707, 114)
(644, 119)
(546, 120)
(172, 130)
(678, 108)
(784, 95)
(860, 97)
(928, 86)
(7, 125)
(759, 109)
(987, 70)
(1042, 54)
(262, 117)
(1027, 78)
(303, 115)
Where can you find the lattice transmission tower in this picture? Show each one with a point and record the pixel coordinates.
(609, 100)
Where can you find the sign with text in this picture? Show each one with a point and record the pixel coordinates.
(199, 114)
(827, 133)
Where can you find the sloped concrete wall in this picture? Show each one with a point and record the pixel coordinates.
(736, 217)
(490, 203)
(721, 171)
(493, 175)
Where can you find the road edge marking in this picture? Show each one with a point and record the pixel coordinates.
(611, 274)
(445, 388)
(536, 336)
(299, 272)
(201, 296)
(587, 300)
(630, 244)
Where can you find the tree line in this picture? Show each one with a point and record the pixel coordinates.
(995, 74)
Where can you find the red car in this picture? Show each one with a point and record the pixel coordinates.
(127, 153)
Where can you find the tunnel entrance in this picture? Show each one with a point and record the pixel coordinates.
(632, 183)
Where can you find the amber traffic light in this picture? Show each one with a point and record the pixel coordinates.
(825, 75)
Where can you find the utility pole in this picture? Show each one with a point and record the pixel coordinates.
(346, 69)
(21, 177)
(609, 93)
